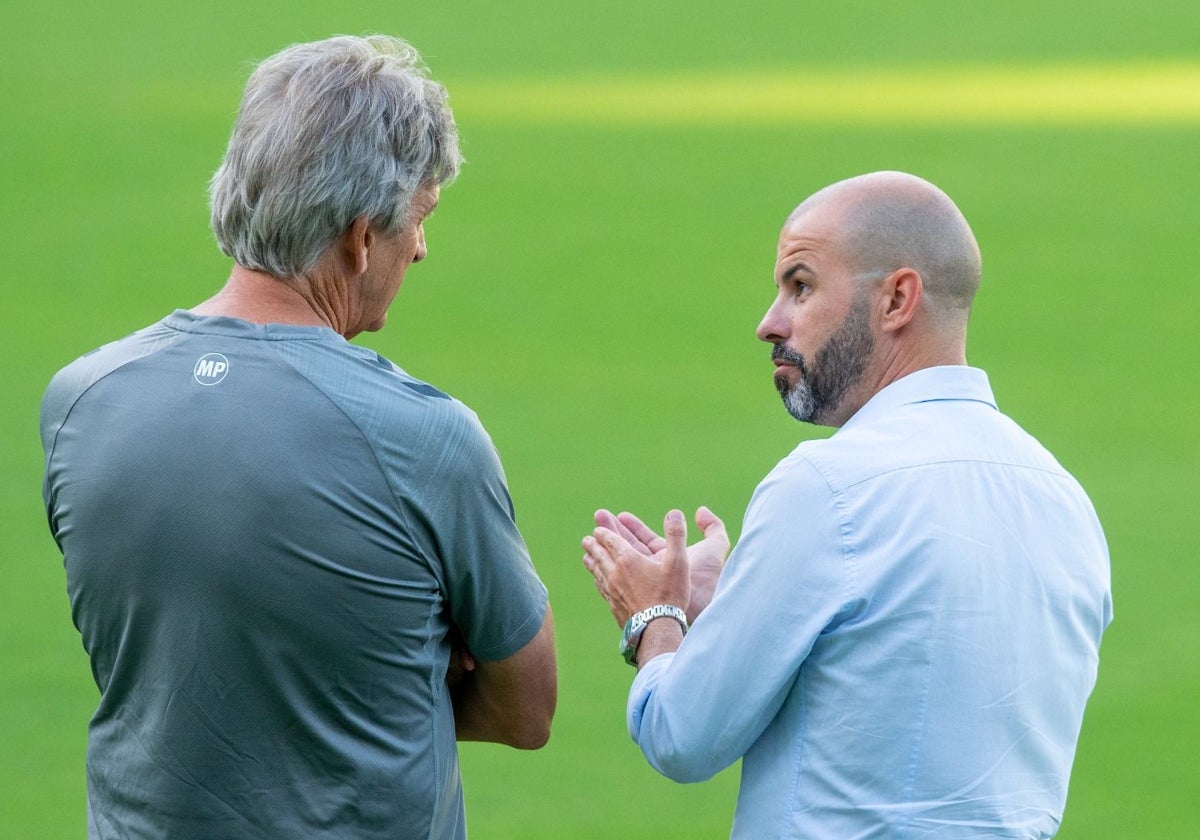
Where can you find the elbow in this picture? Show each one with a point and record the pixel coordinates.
(678, 752)
(683, 769)
(533, 739)
(531, 729)
(531, 734)
(524, 733)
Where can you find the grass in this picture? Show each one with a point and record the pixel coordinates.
(592, 291)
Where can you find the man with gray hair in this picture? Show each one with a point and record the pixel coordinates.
(904, 639)
(294, 567)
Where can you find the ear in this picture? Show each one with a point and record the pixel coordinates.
(901, 295)
(355, 246)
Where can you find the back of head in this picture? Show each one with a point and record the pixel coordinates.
(892, 220)
(329, 131)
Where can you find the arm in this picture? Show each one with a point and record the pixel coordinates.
(696, 711)
(510, 701)
(501, 676)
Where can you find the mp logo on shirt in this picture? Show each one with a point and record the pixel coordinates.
(210, 369)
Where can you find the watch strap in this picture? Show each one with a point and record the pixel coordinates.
(636, 626)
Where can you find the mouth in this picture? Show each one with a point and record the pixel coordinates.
(783, 357)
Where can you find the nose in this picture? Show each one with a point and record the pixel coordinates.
(422, 248)
(774, 326)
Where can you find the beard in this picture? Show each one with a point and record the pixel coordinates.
(837, 366)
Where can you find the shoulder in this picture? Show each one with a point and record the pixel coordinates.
(793, 541)
(96, 364)
(924, 434)
(74, 380)
(797, 490)
(403, 417)
(372, 389)
(817, 470)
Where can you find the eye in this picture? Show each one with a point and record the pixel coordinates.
(801, 288)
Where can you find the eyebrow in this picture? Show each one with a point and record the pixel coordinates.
(795, 268)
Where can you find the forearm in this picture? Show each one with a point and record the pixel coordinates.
(484, 711)
(662, 635)
(672, 740)
(511, 701)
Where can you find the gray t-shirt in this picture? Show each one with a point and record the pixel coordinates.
(269, 536)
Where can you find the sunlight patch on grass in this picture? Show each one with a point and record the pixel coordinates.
(1065, 95)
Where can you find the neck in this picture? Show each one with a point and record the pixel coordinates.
(898, 362)
(260, 298)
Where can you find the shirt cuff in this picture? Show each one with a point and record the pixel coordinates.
(639, 693)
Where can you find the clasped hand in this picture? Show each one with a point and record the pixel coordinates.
(635, 568)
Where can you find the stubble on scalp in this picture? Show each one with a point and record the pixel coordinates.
(891, 220)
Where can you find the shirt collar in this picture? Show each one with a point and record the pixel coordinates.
(185, 320)
(946, 382)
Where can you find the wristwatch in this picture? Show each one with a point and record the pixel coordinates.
(636, 625)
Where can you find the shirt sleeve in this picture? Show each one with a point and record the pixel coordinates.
(695, 712)
(494, 595)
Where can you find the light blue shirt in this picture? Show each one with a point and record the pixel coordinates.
(903, 641)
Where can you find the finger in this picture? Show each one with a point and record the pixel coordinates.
(612, 543)
(633, 539)
(607, 519)
(675, 531)
(605, 549)
(596, 559)
(642, 532)
(709, 523)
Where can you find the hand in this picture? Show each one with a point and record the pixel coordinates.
(632, 574)
(461, 661)
(706, 558)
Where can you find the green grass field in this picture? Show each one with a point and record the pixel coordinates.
(593, 284)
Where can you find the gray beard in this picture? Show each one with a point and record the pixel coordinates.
(838, 366)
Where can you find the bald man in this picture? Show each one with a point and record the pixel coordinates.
(905, 637)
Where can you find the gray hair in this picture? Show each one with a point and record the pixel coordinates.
(327, 132)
